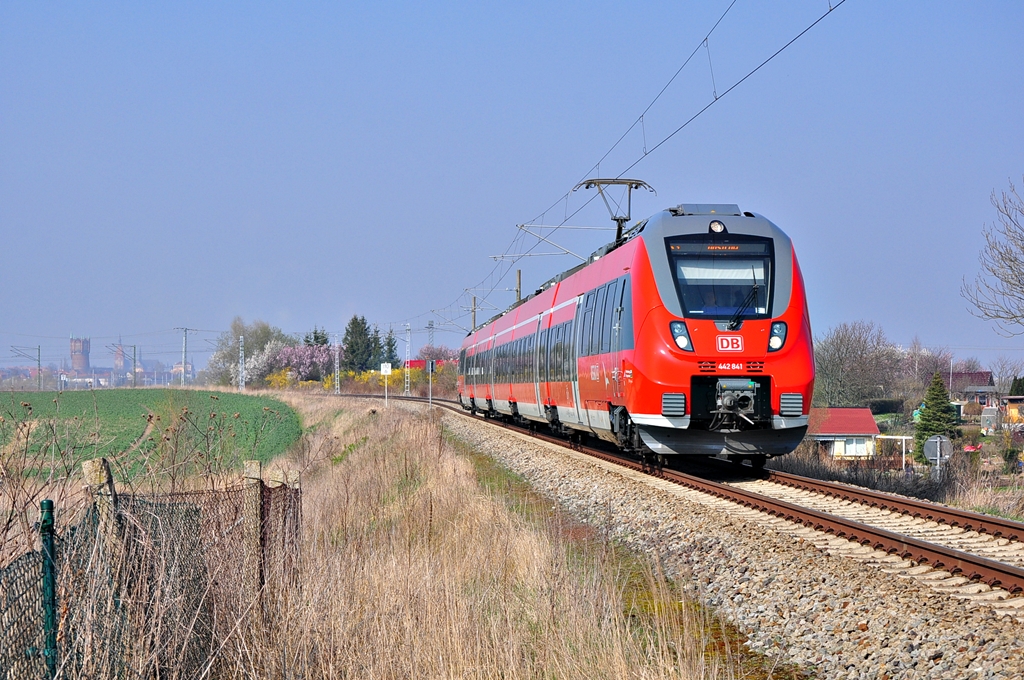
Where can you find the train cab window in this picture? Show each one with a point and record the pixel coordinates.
(722, 278)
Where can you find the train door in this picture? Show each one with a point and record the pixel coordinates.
(575, 348)
(539, 363)
(616, 345)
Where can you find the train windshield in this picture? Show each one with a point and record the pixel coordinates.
(722, 280)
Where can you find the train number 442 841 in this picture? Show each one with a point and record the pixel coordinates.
(725, 366)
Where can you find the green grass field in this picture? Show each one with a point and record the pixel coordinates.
(113, 424)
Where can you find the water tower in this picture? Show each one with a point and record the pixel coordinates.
(79, 354)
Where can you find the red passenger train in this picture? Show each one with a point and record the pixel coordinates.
(688, 335)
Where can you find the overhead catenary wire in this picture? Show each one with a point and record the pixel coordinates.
(564, 198)
(503, 266)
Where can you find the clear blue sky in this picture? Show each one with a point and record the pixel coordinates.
(177, 165)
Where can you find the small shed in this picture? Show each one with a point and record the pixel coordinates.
(1014, 409)
(845, 433)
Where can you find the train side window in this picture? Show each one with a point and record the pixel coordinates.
(556, 355)
(520, 343)
(542, 356)
(548, 339)
(555, 362)
(522, 358)
(552, 339)
(531, 363)
(519, 360)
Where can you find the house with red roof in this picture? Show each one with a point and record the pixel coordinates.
(976, 386)
(845, 433)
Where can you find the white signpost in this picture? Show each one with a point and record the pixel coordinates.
(385, 370)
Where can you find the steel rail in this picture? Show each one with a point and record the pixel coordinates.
(967, 519)
(974, 567)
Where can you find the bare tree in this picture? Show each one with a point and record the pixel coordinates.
(968, 365)
(997, 293)
(1004, 370)
(855, 362)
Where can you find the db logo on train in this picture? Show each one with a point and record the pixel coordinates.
(730, 343)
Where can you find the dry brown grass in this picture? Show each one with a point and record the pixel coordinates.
(411, 569)
(419, 558)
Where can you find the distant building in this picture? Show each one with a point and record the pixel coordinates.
(844, 433)
(422, 363)
(80, 354)
(976, 386)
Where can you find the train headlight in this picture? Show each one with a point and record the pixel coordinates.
(681, 336)
(778, 336)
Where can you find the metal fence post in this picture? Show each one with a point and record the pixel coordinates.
(49, 590)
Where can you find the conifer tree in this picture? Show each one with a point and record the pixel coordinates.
(391, 348)
(316, 338)
(376, 349)
(358, 345)
(937, 417)
(1017, 387)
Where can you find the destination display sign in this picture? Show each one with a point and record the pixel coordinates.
(693, 248)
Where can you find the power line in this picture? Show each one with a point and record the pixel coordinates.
(646, 152)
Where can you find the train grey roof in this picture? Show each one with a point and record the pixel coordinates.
(689, 218)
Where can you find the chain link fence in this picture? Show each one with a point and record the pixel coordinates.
(169, 586)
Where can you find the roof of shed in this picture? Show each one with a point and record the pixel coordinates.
(834, 421)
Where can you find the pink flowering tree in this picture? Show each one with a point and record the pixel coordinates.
(438, 353)
(308, 362)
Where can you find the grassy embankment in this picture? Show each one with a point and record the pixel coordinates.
(425, 559)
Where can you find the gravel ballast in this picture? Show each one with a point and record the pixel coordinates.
(797, 594)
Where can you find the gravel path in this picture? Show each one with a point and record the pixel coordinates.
(805, 596)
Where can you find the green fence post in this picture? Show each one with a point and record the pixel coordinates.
(49, 590)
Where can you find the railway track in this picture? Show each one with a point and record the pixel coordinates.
(958, 552)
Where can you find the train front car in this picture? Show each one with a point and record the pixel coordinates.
(723, 362)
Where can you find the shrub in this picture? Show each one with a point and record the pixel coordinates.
(882, 406)
(972, 409)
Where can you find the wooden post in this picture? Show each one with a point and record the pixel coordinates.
(252, 528)
(293, 525)
(276, 478)
(100, 483)
(99, 658)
